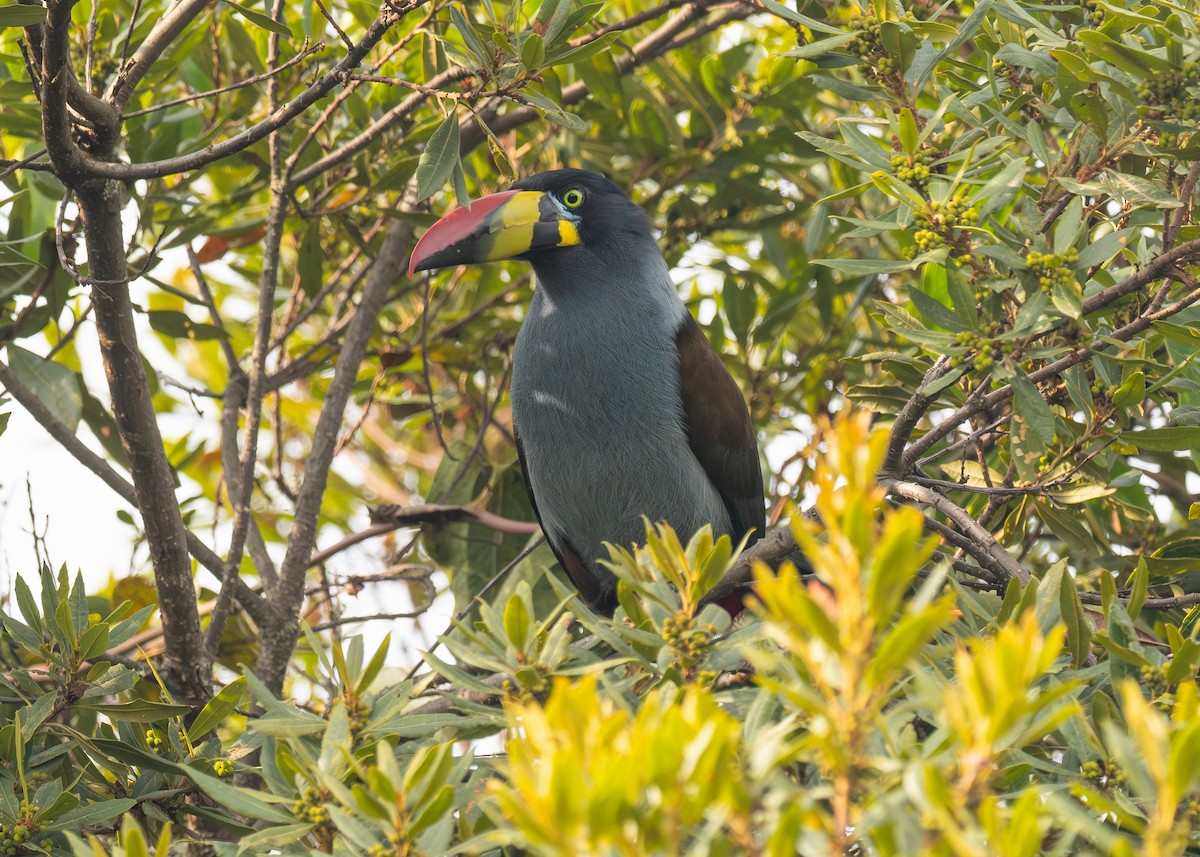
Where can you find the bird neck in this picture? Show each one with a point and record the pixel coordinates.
(629, 288)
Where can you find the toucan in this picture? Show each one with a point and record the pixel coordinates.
(621, 408)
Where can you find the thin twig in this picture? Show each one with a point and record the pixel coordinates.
(377, 617)
(241, 84)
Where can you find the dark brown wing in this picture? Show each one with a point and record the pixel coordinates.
(719, 429)
(591, 589)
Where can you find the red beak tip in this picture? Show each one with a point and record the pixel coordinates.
(458, 225)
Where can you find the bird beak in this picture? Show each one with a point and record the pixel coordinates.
(498, 226)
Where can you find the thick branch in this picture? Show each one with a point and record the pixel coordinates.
(137, 423)
(1155, 269)
(166, 29)
(277, 648)
(911, 414)
(985, 548)
(68, 159)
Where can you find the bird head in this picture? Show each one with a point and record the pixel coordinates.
(553, 214)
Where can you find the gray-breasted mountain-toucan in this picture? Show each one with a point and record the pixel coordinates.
(620, 406)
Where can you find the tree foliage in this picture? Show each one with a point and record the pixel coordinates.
(973, 221)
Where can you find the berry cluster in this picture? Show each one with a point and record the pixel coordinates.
(1168, 89)
(868, 45)
(987, 348)
(311, 808)
(1156, 683)
(1154, 679)
(1093, 13)
(1052, 269)
(358, 711)
(1170, 96)
(156, 740)
(941, 226)
(222, 768)
(911, 169)
(688, 642)
(1103, 772)
(14, 836)
(398, 846)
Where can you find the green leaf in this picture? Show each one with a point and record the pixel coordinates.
(22, 16)
(568, 55)
(237, 799)
(310, 257)
(909, 132)
(56, 386)
(126, 628)
(1139, 63)
(438, 158)
(336, 742)
(778, 9)
(217, 709)
(867, 266)
(470, 35)
(554, 113)
(517, 621)
(138, 710)
(1139, 585)
(533, 52)
(28, 638)
(1173, 439)
(1033, 426)
(371, 671)
(1100, 250)
(34, 715)
(1190, 626)
(259, 19)
(934, 312)
(556, 22)
(104, 812)
(1079, 632)
(27, 604)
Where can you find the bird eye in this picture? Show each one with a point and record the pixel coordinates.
(573, 198)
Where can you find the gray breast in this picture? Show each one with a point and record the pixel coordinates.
(596, 404)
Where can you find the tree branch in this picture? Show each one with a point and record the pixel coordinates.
(85, 164)
(1073, 358)
(441, 515)
(376, 128)
(239, 479)
(389, 265)
(985, 547)
(911, 414)
(166, 29)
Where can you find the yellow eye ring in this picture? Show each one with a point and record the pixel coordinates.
(573, 198)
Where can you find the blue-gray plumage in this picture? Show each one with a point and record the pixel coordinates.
(621, 408)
